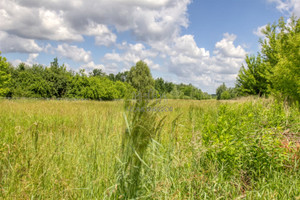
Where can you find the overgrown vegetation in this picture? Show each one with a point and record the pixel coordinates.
(245, 148)
(69, 150)
(276, 69)
(56, 81)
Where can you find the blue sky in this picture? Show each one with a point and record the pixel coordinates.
(203, 42)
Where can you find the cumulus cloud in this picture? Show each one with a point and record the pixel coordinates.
(103, 36)
(69, 21)
(74, 53)
(287, 6)
(31, 23)
(132, 53)
(227, 48)
(193, 64)
(13, 43)
(91, 65)
(185, 59)
(32, 58)
(187, 45)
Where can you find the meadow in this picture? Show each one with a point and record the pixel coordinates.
(208, 149)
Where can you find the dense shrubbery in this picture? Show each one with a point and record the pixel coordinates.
(56, 81)
(225, 93)
(276, 70)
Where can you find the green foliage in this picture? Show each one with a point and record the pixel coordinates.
(222, 88)
(58, 77)
(225, 95)
(140, 77)
(56, 82)
(122, 76)
(160, 85)
(276, 69)
(252, 80)
(223, 92)
(98, 72)
(183, 91)
(281, 50)
(4, 76)
(179, 91)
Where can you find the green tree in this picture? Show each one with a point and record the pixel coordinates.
(222, 88)
(97, 72)
(176, 93)
(140, 77)
(77, 86)
(4, 76)
(122, 76)
(59, 78)
(225, 95)
(169, 86)
(111, 77)
(160, 85)
(253, 78)
(281, 51)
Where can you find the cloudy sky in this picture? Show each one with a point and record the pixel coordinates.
(202, 42)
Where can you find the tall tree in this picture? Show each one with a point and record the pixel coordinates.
(122, 76)
(281, 51)
(59, 78)
(140, 77)
(4, 76)
(160, 85)
(222, 88)
(253, 78)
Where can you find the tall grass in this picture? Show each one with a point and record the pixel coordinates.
(205, 150)
(142, 128)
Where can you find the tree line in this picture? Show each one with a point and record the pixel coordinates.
(55, 81)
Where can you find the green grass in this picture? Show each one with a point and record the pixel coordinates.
(204, 150)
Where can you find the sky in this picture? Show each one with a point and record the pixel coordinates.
(202, 42)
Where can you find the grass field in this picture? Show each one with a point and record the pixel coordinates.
(239, 149)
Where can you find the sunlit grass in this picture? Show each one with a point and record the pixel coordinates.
(206, 150)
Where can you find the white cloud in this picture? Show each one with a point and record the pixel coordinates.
(195, 65)
(258, 31)
(103, 36)
(12, 43)
(289, 6)
(35, 23)
(69, 21)
(185, 59)
(227, 48)
(187, 45)
(32, 58)
(91, 65)
(74, 53)
(151, 64)
(131, 54)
